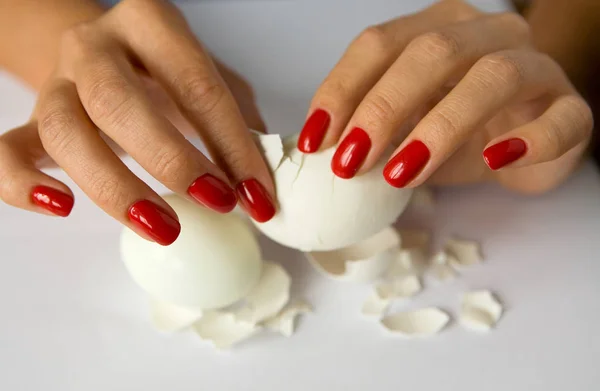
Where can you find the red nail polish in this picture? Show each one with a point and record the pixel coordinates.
(156, 222)
(406, 164)
(351, 153)
(505, 152)
(53, 200)
(255, 200)
(213, 193)
(313, 131)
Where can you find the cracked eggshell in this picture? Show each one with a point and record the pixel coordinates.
(319, 211)
(423, 322)
(215, 261)
(365, 261)
(480, 310)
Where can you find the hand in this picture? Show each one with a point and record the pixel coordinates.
(449, 83)
(100, 90)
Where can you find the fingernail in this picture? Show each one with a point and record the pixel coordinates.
(313, 132)
(52, 200)
(255, 200)
(505, 152)
(406, 164)
(156, 222)
(213, 193)
(351, 153)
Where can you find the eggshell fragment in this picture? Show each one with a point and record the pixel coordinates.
(169, 318)
(441, 266)
(466, 252)
(268, 297)
(223, 330)
(214, 262)
(480, 310)
(285, 321)
(402, 287)
(406, 262)
(423, 322)
(375, 305)
(319, 211)
(362, 262)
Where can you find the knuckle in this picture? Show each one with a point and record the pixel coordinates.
(517, 23)
(583, 117)
(199, 93)
(380, 108)
(335, 89)
(554, 140)
(438, 45)
(56, 127)
(375, 38)
(107, 191)
(504, 67)
(109, 99)
(76, 42)
(445, 123)
(169, 166)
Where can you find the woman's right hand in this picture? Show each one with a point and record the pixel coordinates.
(98, 87)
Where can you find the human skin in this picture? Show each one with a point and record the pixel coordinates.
(100, 76)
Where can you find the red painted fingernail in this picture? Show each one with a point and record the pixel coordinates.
(255, 200)
(351, 153)
(406, 164)
(156, 222)
(505, 152)
(313, 131)
(213, 193)
(53, 200)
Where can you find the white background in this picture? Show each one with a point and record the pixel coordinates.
(71, 319)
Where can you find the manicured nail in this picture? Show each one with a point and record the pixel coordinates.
(156, 222)
(52, 200)
(505, 152)
(351, 153)
(213, 193)
(406, 164)
(255, 200)
(313, 131)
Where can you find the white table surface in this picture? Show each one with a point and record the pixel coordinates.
(71, 318)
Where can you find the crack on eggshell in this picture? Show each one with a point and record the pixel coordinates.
(418, 323)
(271, 147)
(299, 169)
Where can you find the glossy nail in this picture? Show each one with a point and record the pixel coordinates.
(213, 193)
(52, 200)
(255, 200)
(156, 222)
(313, 132)
(504, 153)
(351, 153)
(406, 164)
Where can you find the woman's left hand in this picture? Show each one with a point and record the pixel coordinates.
(450, 83)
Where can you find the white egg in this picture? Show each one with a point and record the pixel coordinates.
(318, 211)
(214, 262)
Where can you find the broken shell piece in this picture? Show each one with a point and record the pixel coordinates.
(362, 262)
(406, 262)
(269, 296)
(466, 252)
(169, 318)
(223, 330)
(480, 310)
(423, 322)
(441, 266)
(285, 321)
(413, 238)
(375, 305)
(402, 287)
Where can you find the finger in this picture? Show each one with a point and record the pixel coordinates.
(568, 122)
(362, 65)
(21, 183)
(74, 143)
(493, 82)
(203, 98)
(116, 101)
(426, 65)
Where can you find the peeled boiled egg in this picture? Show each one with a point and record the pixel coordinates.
(317, 211)
(214, 262)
